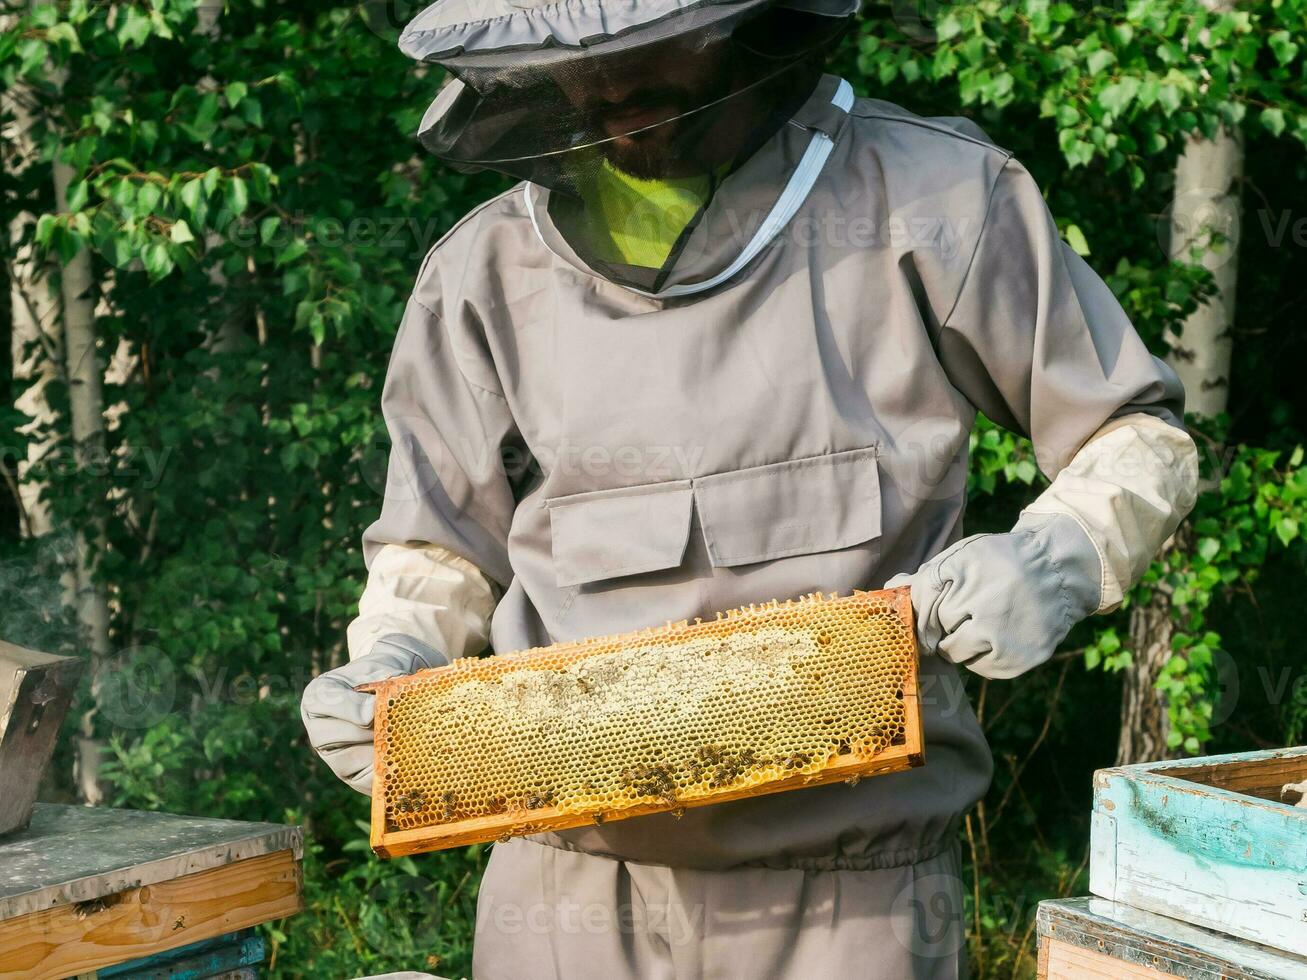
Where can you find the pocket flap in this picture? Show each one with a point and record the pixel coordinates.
(805, 506)
(608, 533)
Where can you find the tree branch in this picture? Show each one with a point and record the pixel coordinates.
(1039, 740)
(12, 484)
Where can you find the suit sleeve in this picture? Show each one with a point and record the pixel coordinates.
(437, 556)
(1037, 342)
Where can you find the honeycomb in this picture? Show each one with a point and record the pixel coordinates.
(762, 698)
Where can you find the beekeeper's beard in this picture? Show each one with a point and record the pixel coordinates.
(654, 122)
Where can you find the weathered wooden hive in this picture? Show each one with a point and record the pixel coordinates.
(1198, 869)
(36, 690)
(761, 699)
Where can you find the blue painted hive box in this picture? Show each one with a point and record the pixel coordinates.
(1214, 841)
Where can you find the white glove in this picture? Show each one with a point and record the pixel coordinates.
(339, 718)
(1000, 604)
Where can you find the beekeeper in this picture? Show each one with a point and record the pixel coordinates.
(725, 343)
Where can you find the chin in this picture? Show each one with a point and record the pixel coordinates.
(648, 162)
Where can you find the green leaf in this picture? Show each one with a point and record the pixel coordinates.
(205, 120)
(1078, 152)
(1273, 120)
(77, 195)
(158, 263)
(119, 251)
(123, 194)
(1283, 46)
(291, 252)
(1076, 239)
(147, 198)
(318, 327)
(64, 33)
(252, 111)
(1100, 60)
(45, 226)
(1117, 96)
(1286, 530)
(181, 232)
(235, 92)
(268, 228)
(948, 27)
(192, 193)
(134, 28)
(238, 196)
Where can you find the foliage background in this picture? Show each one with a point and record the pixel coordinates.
(256, 210)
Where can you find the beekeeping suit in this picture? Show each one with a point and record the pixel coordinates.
(726, 343)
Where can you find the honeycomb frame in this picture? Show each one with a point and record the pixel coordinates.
(399, 829)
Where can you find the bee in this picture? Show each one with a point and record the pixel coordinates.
(413, 802)
(711, 754)
(655, 781)
(540, 799)
(449, 800)
(709, 757)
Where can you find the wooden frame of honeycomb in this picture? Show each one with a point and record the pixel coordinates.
(770, 697)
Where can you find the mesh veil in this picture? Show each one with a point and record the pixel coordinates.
(656, 103)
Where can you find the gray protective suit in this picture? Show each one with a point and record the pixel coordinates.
(613, 460)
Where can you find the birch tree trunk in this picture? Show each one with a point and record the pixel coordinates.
(63, 327)
(231, 328)
(86, 411)
(36, 344)
(1205, 216)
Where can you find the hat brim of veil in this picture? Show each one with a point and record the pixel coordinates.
(489, 32)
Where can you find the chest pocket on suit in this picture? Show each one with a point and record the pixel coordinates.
(761, 513)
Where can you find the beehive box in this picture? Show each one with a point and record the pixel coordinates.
(762, 699)
(1094, 939)
(87, 891)
(1207, 841)
(35, 692)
